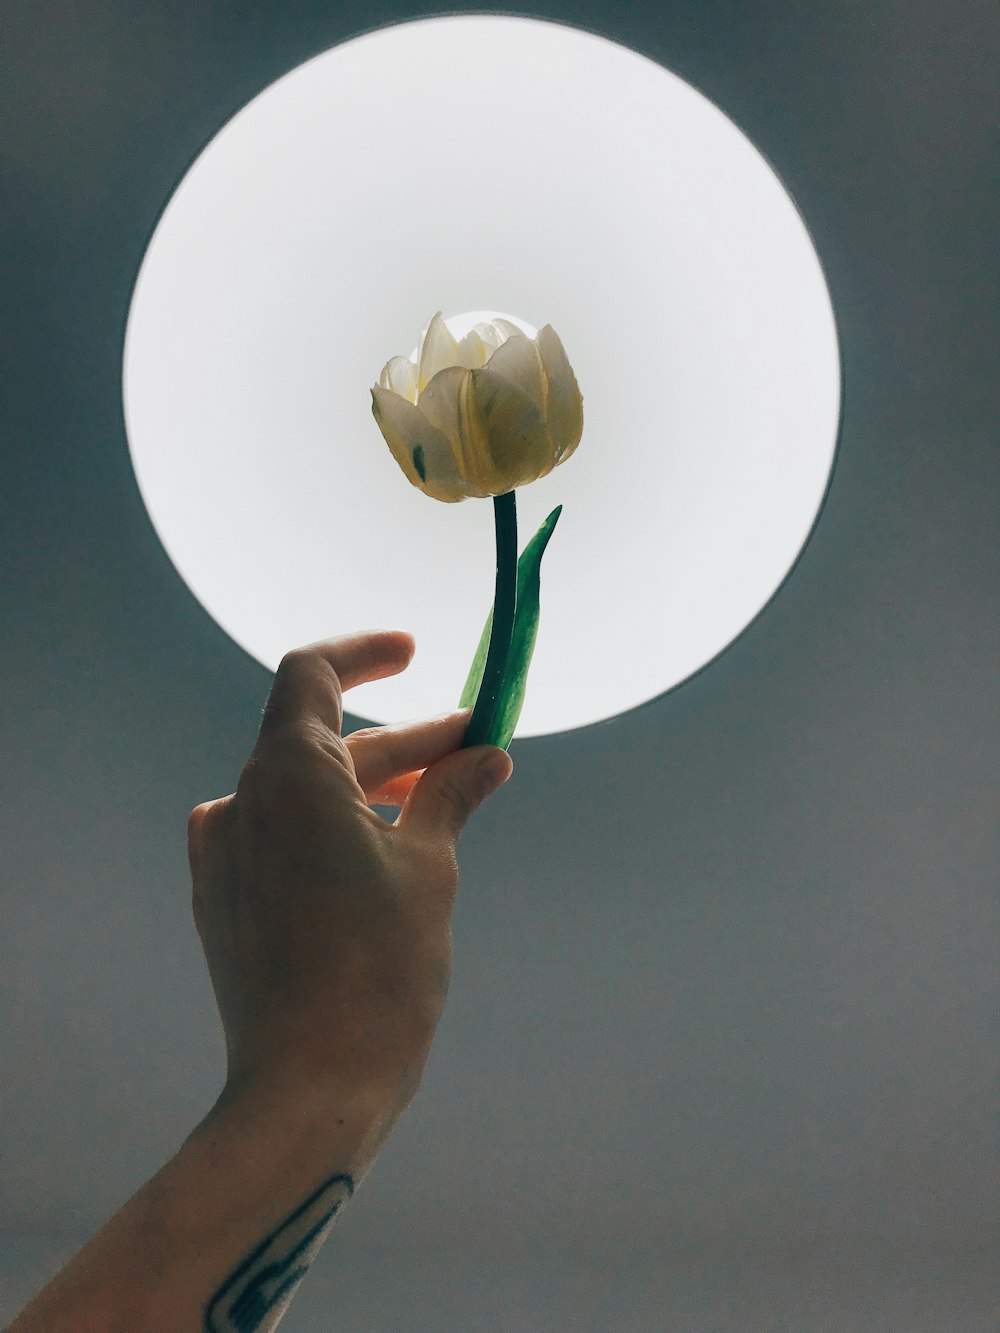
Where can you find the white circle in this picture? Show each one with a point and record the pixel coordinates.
(459, 164)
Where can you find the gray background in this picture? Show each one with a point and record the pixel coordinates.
(720, 1048)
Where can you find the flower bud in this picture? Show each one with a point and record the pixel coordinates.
(480, 416)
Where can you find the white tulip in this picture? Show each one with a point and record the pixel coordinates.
(479, 416)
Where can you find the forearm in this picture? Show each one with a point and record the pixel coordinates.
(221, 1236)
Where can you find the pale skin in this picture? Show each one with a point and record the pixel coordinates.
(327, 934)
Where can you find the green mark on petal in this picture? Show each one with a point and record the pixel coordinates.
(418, 462)
(511, 698)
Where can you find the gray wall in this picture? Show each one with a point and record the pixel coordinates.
(720, 1048)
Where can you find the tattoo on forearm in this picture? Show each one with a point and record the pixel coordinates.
(255, 1297)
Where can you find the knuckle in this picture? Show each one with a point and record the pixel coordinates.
(195, 820)
(364, 733)
(273, 715)
(203, 824)
(456, 797)
(390, 754)
(308, 659)
(293, 658)
(391, 759)
(296, 666)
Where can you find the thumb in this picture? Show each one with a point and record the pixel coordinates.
(444, 798)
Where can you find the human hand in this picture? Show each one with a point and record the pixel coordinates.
(326, 929)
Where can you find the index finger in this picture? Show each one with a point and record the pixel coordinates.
(310, 681)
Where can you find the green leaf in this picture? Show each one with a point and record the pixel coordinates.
(472, 685)
(525, 633)
(511, 697)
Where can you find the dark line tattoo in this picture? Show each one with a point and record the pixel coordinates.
(265, 1283)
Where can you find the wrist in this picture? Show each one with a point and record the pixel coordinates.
(237, 1212)
(350, 1119)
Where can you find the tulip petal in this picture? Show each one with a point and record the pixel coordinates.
(516, 439)
(473, 352)
(506, 329)
(400, 375)
(418, 447)
(490, 335)
(564, 406)
(445, 404)
(518, 361)
(438, 349)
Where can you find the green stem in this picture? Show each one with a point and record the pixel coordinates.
(504, 605)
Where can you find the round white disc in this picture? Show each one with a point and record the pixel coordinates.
(484, 163)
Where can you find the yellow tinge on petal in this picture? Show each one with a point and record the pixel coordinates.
(479, 416)
(400, 375)
(473, 351)
(423, 452)
(438, 350)
(564, 405)
(516, 437)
